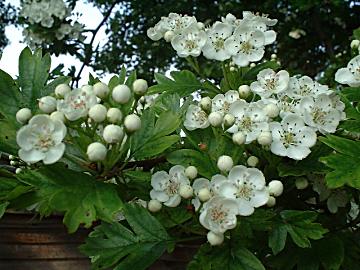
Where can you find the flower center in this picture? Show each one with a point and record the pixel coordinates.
(270, 84)
(318, 115)
(218, 214)
(246, 123)
(190, 44)
(245, 47)
(44, 142)
(199, 116)
(305, 90)
(218, 44)
(288, 138)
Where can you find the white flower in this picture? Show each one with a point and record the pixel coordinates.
(269, 82)
(221, 103)
(176, 23)
(113, 134)
(47, 104)
(101, 89)
(214, 47)
(76, 104)
(215, 183)
(245, 46)
(23, 115)
(189, 42)
(195, 118)
(121, 93)
(219, 214)
(251, 120)
(201, 187)
(132, 123)
(305, 86)
(320, 114)
(292, 138)
(41, 139)
(166, 186)
(351, 74)
(96, 151)
(140, 86)
(247, 187)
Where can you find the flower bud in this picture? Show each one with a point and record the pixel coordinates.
(132, 123)
(154, 206)
(232, 69)
(244, 90)
(252, 65)
(61, 90)
(18, 170)
(273, 56)
(11, 157)
(121, 94)
(140, 86)
(271, 201)
(301, 183)
(98, 113)
(113, 134)
(23, 115)
(57, 116)
(114, 115)
(186, 191)
(13, 163)
(200, 25)
(229, 120)
(215, 239)
(205, 104)
(47, 104)
(204, 194)
(215, 119)
(225, 163)
(101, 90)
(276, 188)
(191, 172)
(355, 44)
(96, 151)
(87, 88)
(264, 138)
(238, 138)
(271, 110)
(252, 161)
(169, 35)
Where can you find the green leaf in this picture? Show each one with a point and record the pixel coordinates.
(170, 217)
(115, 246)
(351, 93)
(50, 87)
(157, 146)
(3, 208)
(277, 238)
(229, 256)
(81, 197)
(184, 83)
(9, 95)
(8, 142)
(344, 162)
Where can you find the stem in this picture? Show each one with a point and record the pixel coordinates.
(225, 74)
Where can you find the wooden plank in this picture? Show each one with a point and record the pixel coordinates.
(45, 265)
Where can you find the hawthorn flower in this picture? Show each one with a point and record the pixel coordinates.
(215, 47)
(245, 46)
(41, 139)
(196, 118)
(76, 104)
(292, 138)
(166, 186)
(177, 23)
(320, 114)
(351, 74)
(305, 86)
(221, 103)
(269, 82)
(247, 187)
(189, 42)
(219, 214)
(198, 185)
(250, 119)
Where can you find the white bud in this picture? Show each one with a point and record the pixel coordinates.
(58, 116)
(98, 113)
(186, 191)
(101, 90)
(264, 138)
(215, 239)
(252, 161)
(200, 25)
(11, 157)
(191, 172)
(271, 110)
(355, 44)
(271, 201)
(276, 188)
(301, 183)
(61, 90)
(232, 68)
(18, 170)
(113, 134)
(169, 35)
(273, 56)
(225, 163)
(238, 138)
(47, 104)
(229, 120)
(114, 115)
(140, 86)
(13, 163)
(87, 88)
(154, 206)
(252, 65)
(204, 194)
(215, 119)
(96, 151)
(132, 123)
(244, 90)
(205, 103)
(121, 94)
(23, 115)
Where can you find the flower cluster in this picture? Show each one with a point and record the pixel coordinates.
(45, 15)
(242, 40)
(287, 116)
(92, 110)
(351, 74)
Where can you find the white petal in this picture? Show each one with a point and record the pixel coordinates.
(31, 156)
(278, 148)
(260, 197)
(161, 196)
(256, 177)
(173, 201)
(270, 37)
(241, 60)
(54, 153)
(24, 138)
(307, 137)
(159, 180)
(298, 152)
(228, 190)
(244, 207)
